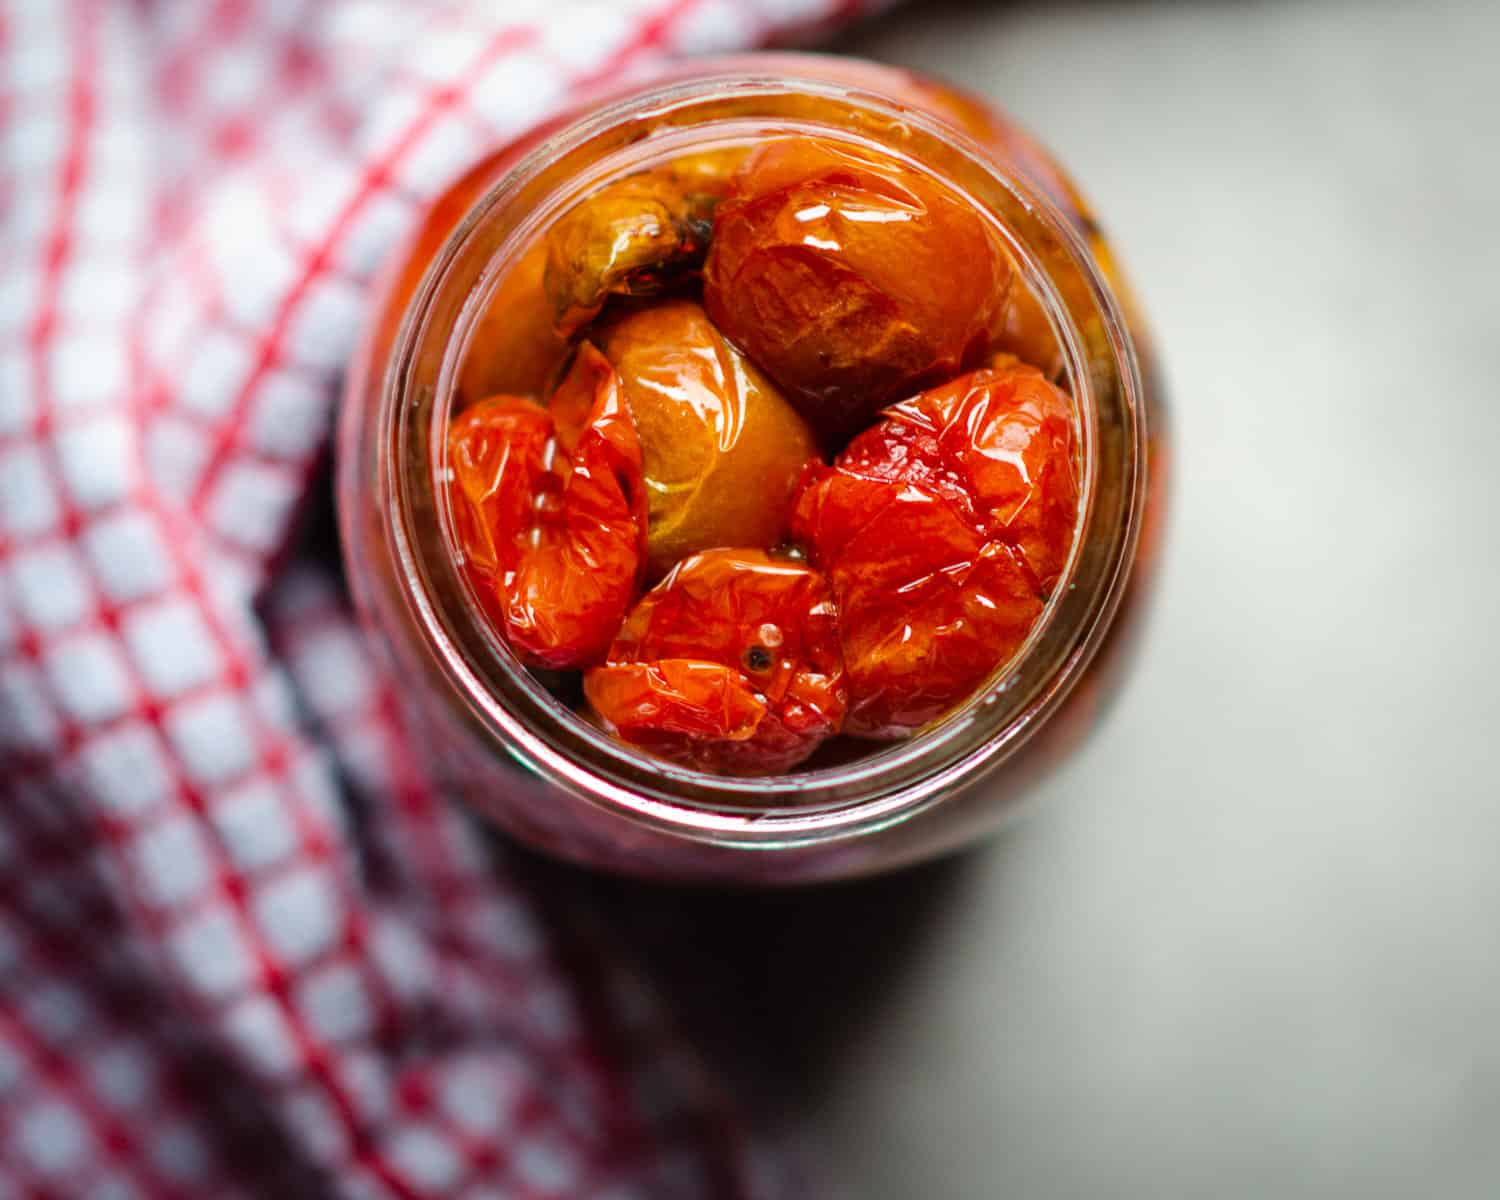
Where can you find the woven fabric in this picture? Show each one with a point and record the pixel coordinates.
(244, 948)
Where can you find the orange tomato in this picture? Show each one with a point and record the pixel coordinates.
(514, 348)
(850, 278)
(633, 237)
(723, 451)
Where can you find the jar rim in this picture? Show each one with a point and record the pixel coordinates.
(513, 711)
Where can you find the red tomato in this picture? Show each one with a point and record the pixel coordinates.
(942, 529)
(850, 278)
(731, 664)
(550, 512)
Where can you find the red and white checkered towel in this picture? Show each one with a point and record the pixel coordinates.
(244, 950)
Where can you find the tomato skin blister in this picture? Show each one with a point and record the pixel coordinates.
(723, 450)
(549, 510)
(1008, 437)
(942, 529)
(731, 664)
(850, 279)
(633, 237)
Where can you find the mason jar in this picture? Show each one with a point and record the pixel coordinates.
(495, 734)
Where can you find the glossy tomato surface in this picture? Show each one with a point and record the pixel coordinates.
(634, 237)
(943, 529)
(851, 278)
(722, 449)
(549, 511)
(731, 664)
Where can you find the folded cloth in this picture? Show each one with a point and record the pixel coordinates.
(244, 947)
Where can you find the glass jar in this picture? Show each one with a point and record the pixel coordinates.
(540, 770)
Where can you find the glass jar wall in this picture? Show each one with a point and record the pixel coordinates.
(459, 315)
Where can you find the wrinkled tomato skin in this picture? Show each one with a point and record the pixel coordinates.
(851, 279)
(633, 237)
(927, 608)
(723, 450)
(731, 665)
(1021, 325)
(1008, 437)
(942, 530)
(548, 509)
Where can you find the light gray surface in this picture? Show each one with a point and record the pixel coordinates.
(1251, 947)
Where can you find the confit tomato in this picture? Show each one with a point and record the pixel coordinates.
(549, 510)
(635, 236)
(1021, 326)
(730, 664)
(850, 278)
(723, 451)
(942, 529)
(514, 350)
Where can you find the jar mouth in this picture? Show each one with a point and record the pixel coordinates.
(511, 710)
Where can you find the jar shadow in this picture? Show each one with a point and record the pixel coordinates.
(775, 988)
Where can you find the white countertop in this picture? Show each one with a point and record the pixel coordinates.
(1250, 947)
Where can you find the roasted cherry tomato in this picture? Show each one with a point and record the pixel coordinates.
(704, 177)
(723, 450)
(1022, 328)
(514, 349)
(850, 278)
(942, 529)
(731, 664)
(634, 236)
(549, 510)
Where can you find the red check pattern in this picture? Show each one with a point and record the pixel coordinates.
(244, 948)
